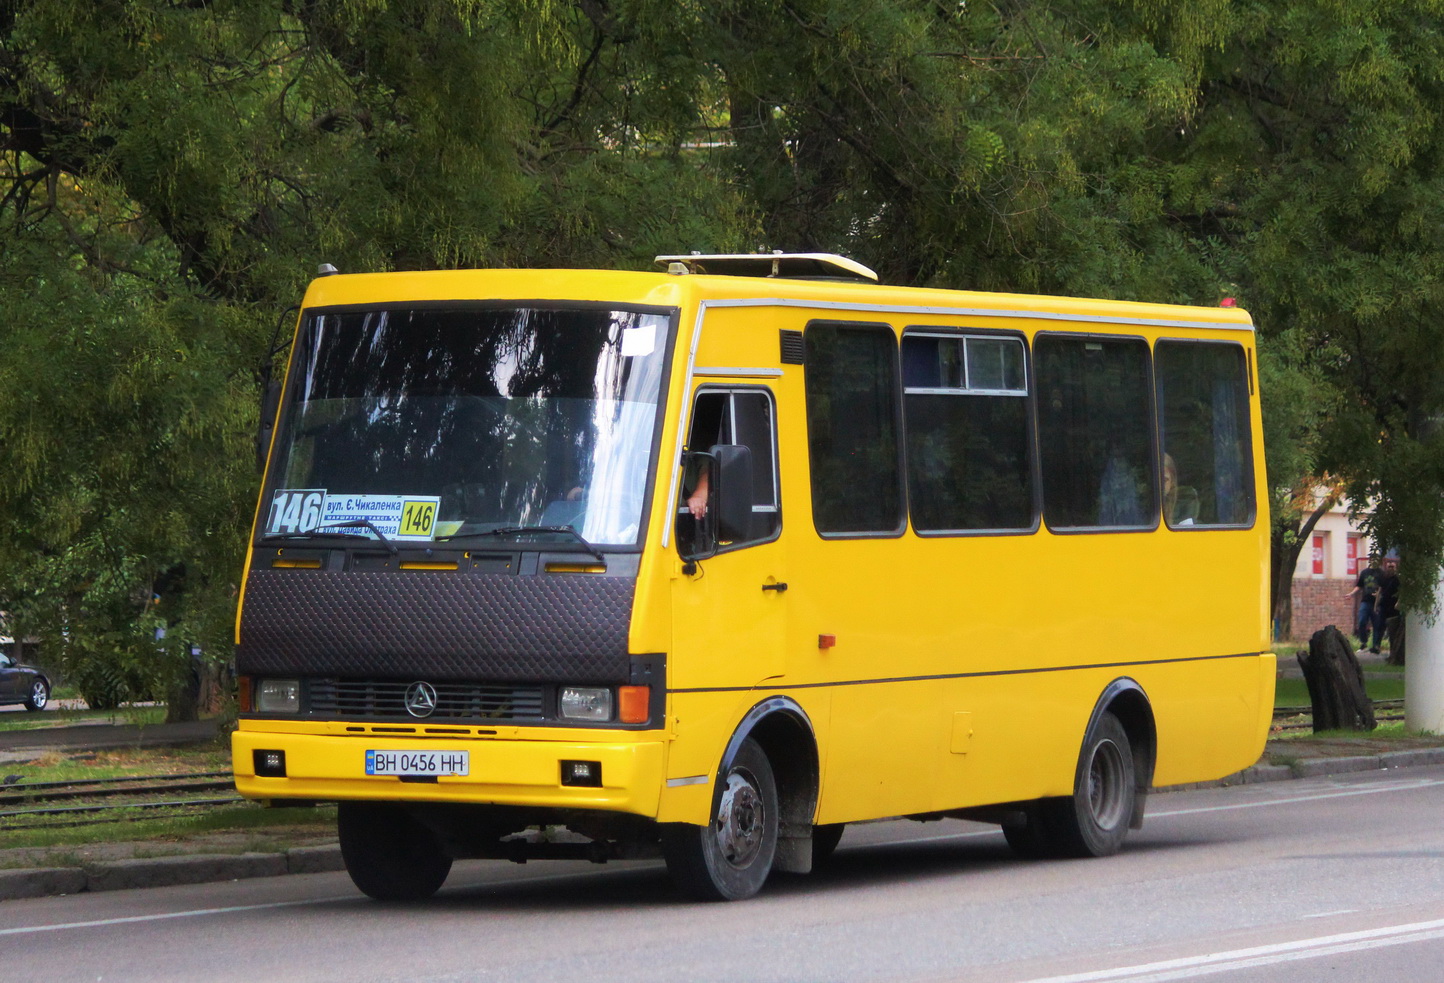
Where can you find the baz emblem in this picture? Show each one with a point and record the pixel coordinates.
(421, 699)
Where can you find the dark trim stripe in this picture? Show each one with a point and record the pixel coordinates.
(967, 675)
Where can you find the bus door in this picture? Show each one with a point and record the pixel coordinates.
(730, 604)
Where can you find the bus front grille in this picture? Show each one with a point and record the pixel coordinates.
(386, 698)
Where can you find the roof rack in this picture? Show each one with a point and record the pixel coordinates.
(791, 266)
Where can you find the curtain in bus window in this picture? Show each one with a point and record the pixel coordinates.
(1094, 432)
(1203, 409)
(968, 460)
(852, 428)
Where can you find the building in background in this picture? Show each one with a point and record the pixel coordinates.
(1328, 564)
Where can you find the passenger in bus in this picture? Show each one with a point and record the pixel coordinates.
(709, 427)
(697, 500)
(1118, 503)
(1180, 502)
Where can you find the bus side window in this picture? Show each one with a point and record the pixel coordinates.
(735, 416)
(969, 452)
(1204, 422)
(1095, 434)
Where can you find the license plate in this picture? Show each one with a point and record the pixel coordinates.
(418, 762)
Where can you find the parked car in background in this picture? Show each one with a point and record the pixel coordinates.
(23, 684)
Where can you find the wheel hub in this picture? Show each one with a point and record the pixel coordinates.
(741, 819)
(1105, 785)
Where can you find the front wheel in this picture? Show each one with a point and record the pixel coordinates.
(389, 855)
(39, 696)
(729, 859)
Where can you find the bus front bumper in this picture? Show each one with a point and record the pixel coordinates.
(522, 771)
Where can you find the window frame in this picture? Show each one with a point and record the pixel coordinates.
(304, 339)
(903, 523)
(1249, 454)
(776, 507)
(1155, 521)
(1030, 423)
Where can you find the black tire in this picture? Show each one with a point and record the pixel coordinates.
(389, 855)
(1094, 821)
(1030, 839)
(39, 697)
(729, 859)
(824, 841)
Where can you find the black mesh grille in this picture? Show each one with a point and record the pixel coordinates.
(358, 699)
(792, 348)
(368, 625)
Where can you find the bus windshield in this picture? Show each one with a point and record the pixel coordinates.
(441, 423)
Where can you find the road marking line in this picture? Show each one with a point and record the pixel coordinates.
(1401, 786)
(1369, 790)
(195, 912)
(1264, 955)
(161, 916)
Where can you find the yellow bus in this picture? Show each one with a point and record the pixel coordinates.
(709, 562)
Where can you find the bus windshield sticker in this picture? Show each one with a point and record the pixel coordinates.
(639, 341)
(402, 517)
(298, 511)
(295, 510)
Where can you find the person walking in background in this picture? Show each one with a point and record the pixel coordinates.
(1366, 614)
(1389, 612)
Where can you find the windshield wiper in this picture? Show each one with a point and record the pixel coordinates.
(364, 524)
(323, 531)
(524, 530)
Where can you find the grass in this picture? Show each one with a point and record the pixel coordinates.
(168, 836)
(269, 829)
(1394, 730)
(69, 766)
(135, 716)
(1295, 692)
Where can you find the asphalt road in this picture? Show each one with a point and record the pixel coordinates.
(1320, 880)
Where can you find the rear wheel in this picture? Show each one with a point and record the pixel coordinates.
(1029, 839)
(1093, 821)
(729, 859)
(39, 695)
(389, 855)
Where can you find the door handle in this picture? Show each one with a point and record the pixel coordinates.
(780, 588)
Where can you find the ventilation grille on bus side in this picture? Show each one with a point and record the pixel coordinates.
(791, 347)
(366, 698)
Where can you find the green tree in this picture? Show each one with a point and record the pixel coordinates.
(170, 174)
(1319, 125)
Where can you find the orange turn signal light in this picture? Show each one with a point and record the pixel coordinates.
(633, 704)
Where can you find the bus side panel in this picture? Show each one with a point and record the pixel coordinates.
(969, 666)
(704, 726)
(1208, 716)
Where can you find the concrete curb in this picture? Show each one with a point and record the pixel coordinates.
(1320, 767)
(121, 875)
(115, 875)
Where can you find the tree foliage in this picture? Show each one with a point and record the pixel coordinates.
(172, 171)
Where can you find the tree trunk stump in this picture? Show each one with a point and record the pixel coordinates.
(1336, 683)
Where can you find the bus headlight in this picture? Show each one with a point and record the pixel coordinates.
(278, 696)
(586, 703)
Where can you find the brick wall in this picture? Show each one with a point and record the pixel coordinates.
(1321, 602)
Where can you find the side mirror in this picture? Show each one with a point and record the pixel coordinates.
(270, 405)
(731, 500)
(728, 470)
